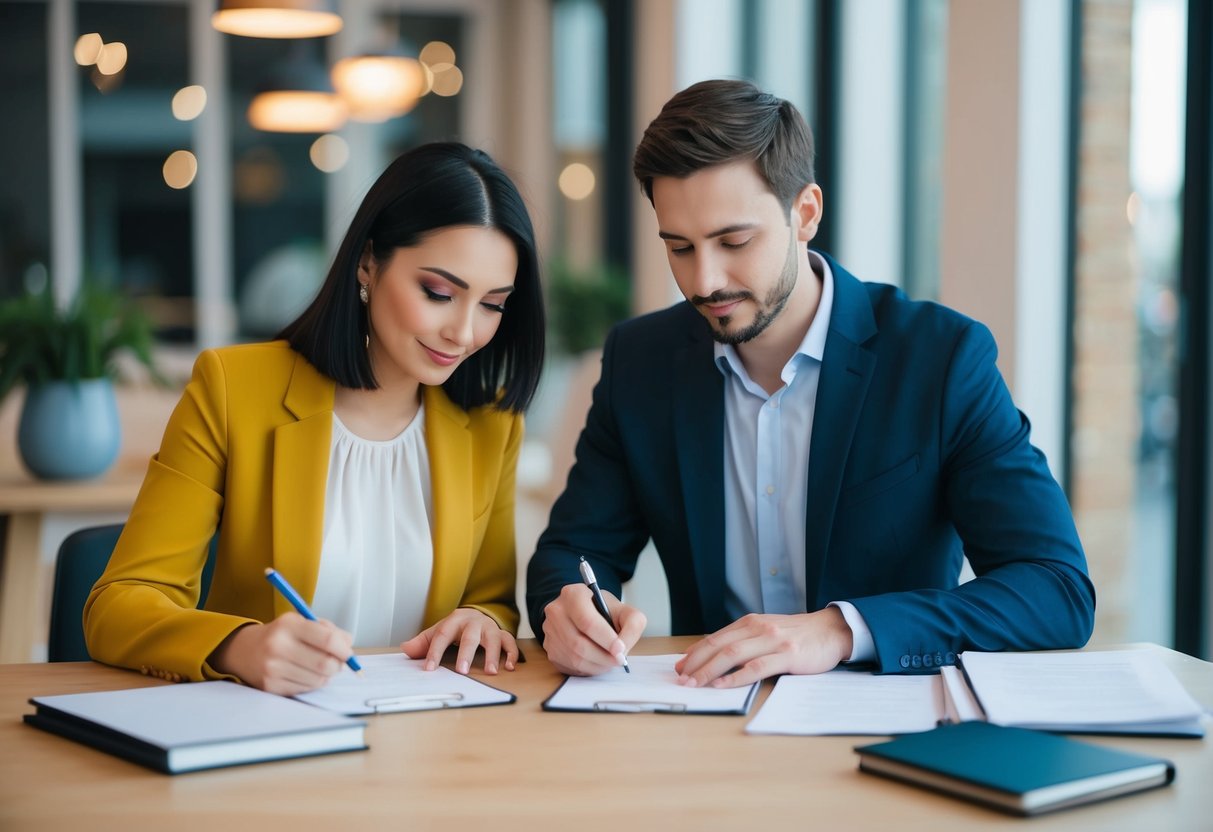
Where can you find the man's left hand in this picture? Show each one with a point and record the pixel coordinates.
(758, 646)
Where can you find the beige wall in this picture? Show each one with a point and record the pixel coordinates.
(980, 187)
(653, 86)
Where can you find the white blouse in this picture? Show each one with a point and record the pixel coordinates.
(377, 555)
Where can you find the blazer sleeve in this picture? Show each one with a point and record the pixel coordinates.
(142, 613)
(1032, 590)
(492, 581)
(597, 515)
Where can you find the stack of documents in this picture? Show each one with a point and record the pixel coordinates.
(1112, 692)
(651, 687)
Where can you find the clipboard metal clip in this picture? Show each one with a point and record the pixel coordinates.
(415, 702)
(634, 706)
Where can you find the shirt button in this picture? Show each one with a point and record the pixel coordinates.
(770, 489)
(774, 403)
(774, 571)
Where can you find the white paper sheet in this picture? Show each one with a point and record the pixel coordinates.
(392, 682)
(650, 687)
(958, 700)
(1118, 690)
(846, 702)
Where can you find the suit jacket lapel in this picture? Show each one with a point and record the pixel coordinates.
(699, 437)
(450, 448)
(846, 371)
(300, 471)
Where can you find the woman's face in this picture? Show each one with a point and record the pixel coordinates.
(434, 304)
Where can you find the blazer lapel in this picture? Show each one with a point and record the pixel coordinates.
(846, 371)
(450, 448)
(699, 437)
(300, 472)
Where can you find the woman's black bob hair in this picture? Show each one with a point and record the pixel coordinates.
(429, 188)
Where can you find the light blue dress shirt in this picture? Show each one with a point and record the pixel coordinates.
(766, 465)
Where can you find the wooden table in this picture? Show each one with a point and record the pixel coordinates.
(516, 767)
(25, 579)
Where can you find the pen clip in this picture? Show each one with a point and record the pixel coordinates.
(416, 702)
(636, 706)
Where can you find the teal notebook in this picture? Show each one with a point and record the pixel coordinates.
(1018, 770)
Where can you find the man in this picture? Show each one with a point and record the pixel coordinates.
(811, 455)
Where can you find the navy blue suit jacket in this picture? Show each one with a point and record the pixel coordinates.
(918, 457)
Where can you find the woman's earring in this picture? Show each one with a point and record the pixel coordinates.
(363, 294)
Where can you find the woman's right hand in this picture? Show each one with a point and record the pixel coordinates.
(287, 656)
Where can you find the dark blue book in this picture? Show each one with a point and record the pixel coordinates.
(1017, 770)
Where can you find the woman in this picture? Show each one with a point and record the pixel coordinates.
(368, 455)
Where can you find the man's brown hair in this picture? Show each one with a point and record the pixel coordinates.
(715, 122)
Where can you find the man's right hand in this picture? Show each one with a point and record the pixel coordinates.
(287, 656)
(578, 640)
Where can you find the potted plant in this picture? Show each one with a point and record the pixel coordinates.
(69, 425)
(585, 304)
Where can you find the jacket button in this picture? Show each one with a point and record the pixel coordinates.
(928, 660)
(905, 661)
(939, 660)
(916, 661)
(951, 657)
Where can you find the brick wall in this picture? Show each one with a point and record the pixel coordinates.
(1106, 371)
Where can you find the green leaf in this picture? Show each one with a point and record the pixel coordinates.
(40, 342)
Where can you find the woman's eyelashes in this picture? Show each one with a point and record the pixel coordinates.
(436, 296)
(441, 297)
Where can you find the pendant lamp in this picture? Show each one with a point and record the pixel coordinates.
(378, 87)
(298, 98)
(277, 18)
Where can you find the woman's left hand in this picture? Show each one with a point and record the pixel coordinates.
(471, 629)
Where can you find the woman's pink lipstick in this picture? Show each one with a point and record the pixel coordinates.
(442, 359)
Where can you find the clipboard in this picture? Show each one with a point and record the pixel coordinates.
(393, 683)
(651, 688)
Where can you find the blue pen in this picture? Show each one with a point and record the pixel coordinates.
(289, 593)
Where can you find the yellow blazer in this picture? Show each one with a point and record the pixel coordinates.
(247, 450)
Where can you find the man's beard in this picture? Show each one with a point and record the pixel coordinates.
(776, 300)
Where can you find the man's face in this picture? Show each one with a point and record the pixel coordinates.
(734, 251)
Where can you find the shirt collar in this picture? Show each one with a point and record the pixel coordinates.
(813, 345)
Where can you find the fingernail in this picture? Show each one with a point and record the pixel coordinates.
(509, 665)
(692, 682)
(490, 668)
(463, 667)
(430, 664)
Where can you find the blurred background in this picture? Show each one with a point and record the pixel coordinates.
(1042, 165)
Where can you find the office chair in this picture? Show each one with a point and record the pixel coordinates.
(82, 558)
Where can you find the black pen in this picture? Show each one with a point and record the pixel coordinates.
(587, 575)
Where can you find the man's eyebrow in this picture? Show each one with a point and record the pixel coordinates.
(462, 284)
(728, 229)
